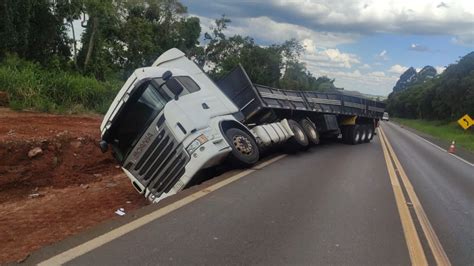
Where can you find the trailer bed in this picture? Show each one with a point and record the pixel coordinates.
(258, 103)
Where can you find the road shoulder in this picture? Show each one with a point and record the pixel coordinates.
(461, 152)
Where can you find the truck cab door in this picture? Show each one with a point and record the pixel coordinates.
(196, 106)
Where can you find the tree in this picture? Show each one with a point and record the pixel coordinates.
(151, 27)
(33, 29)
(445, 97)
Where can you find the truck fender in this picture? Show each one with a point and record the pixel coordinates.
(226, 124)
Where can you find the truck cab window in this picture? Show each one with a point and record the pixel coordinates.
(188, 84)
(135, 118)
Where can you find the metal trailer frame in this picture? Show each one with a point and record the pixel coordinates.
(260, 104)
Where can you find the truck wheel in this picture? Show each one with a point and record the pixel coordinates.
(354, 134)
(245, 151)
(363, 133)
(370, 133)
(311, 132)
(299, 140)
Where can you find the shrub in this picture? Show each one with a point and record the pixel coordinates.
(32, 87)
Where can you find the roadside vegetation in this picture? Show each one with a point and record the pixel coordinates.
(445, 97)
(46, 65)
(433, 106)
(31, 86)
(442, 130)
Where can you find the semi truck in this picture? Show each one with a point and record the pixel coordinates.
(171, 120)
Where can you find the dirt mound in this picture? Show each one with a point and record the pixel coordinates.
(54, 181)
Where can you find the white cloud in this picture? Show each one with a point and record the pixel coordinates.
(365, 66)
(397, 69)
(377, 74)
(264, 28)
(383, 55)
(375, 83)
(440, 69)
(331, 58)
(390, 16)
(426, 17)
(418, 48)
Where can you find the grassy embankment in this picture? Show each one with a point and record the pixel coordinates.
(33, 87)
(442, 130)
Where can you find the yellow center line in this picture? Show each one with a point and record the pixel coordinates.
(415, 250)
(435, 245)
(94, 243)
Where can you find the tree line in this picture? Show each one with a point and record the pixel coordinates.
(122, 35)
(447, 96)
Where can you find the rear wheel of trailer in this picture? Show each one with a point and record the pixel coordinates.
(369, 133)
(353, 134)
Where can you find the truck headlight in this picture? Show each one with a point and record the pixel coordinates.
(201, 139)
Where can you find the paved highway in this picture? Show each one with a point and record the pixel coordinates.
(397, 200)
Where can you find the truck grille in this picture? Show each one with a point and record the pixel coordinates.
(162, 163)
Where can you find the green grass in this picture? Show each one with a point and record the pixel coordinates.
(30, 86)
(442, 130)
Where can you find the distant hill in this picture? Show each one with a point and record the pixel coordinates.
(411, 77)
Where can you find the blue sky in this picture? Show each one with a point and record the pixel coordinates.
(364, 45)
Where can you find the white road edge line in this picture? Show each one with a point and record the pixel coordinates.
(436, 146)
(94, 243)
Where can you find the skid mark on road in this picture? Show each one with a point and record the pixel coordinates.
(417, 256)
(90, 245)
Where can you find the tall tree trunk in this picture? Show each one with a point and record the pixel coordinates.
(74, 44)
(90, 48)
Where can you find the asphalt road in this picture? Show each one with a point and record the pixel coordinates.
(445, 187)
(332, 205)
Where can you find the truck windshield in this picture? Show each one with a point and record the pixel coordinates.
(140, 110)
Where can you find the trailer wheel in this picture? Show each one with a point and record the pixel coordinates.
(299, 140)
(311, 131)
(369, 132)
(363, 133)
(354, 133)
(245, 151)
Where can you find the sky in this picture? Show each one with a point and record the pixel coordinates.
(363, 45)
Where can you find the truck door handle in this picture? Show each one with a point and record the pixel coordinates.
(205, 106)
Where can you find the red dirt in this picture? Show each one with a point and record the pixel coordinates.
(69, 187)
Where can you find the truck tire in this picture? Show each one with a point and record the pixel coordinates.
(245, 151)
(353, 134)
(363, 133)
(299, 141)
(311, 131)
(369, 132)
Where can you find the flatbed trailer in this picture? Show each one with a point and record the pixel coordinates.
(263, 104)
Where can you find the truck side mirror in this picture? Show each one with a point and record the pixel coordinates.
(167, 75)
